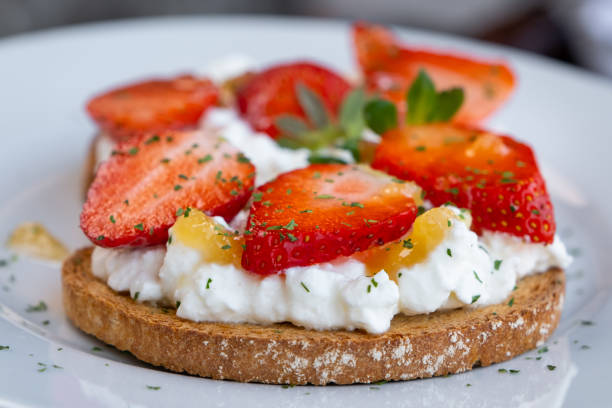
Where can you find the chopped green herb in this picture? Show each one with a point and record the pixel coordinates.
(208, 282)
(205, 159)
(448, 252)
(511, 302)
(96, 348)
(112, 219)
(475, 298)
(407, 243)
(133, 151)
(305, 287)
(139, 227)
(40, 307)
(153, 139)
(136, 295)
(226, 246)
(551, 367)
(497, 263)
(477, 277)
(153, 387)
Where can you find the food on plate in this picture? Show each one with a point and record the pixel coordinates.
(272, 93)
(138, 193)
(493, 176)
(152, 106)
(318, 232)
(389, 67)
(34, 240)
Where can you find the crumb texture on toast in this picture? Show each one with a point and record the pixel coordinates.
(414, 347)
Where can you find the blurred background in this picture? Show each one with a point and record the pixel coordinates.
(574, 31)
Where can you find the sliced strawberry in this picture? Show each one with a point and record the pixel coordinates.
(272, 93)
(494, 176)
(390, 68)
(138, 193)
(152, 106)
(321, 212)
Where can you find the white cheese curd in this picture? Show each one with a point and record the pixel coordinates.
(131, 270)
(456, 273)
(267, 156)
(103, 148)
(462, 271)
(524, 257)
(322, 297)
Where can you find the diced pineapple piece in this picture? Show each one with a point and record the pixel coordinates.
(428, 231)
(215, 243)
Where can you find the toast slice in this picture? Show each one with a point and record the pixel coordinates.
(414, 347)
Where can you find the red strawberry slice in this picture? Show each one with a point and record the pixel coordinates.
(271, 93)
(138, 193)
(494, 176)
(152, 106)
(324, 211)
(390, 68)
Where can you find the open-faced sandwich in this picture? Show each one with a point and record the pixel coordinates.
(316, 230)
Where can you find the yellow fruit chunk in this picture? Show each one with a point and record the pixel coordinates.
(215, 243)
(34, 240)
(428, 231)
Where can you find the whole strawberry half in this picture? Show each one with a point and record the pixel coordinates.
(324, 211)
(152, 106)
(390, 67)
(138, 193)
(494, 176)
(271, 93)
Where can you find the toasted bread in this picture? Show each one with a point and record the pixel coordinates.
(414, 347)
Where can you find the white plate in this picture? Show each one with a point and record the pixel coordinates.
(45, 78)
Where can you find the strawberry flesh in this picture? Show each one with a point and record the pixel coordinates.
(324, 211)
(494, 176)
(152, 106)
(389, 68)
(137, 194)
(271, 93)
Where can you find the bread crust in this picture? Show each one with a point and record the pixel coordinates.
(414, 347)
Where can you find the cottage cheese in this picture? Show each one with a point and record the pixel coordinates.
(331, 295)
(267, 156)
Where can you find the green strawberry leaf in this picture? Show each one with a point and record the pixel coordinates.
(312, 105)
(291, 125)
(380, 115)
(447, 104)
(318, 158)
(426, 105)
(421, 99)
(351, 113)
